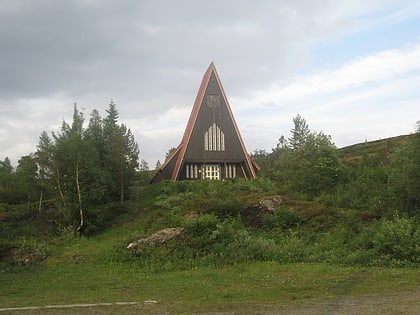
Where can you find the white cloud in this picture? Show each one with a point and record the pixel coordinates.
(373, 69)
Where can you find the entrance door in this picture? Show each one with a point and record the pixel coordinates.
(211, 172)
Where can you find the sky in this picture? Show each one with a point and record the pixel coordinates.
(350, 68)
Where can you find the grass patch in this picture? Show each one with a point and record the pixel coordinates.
(198, 289)
(81, 281)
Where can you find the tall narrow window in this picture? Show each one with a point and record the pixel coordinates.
(191, 171)
(214, 139)
(230, 171)
(195, 171)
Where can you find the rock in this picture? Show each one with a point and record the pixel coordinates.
(253, 215)
(158, 238)
(270, 204)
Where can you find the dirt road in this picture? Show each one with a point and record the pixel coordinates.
(389, 304)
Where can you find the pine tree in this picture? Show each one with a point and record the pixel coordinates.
(300, 132)
(120, 153)
(158, 165)
(6, 181)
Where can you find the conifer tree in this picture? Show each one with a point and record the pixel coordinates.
(120, 153)
(300, 132)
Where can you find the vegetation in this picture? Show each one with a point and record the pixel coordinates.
(382, 175)
(75, 172)
(69, 210)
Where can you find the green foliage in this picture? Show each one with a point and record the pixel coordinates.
(23, 254)
(299, 133)
(9, 190)
(297, 231)
(293, 248)
(200, 230)
(284, 219)
(366, 187)
(388, 242)
(223, 198)
(226, 208)
(382, 176)
(308, 164)
(92, 169)
(79, 168)
(397, 241)
(404, 176)
(218, 242)
(265, 161)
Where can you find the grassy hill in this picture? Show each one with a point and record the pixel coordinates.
(353, 154)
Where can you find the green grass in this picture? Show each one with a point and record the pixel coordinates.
(197, 289)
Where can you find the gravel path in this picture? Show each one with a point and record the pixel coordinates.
(389, 304)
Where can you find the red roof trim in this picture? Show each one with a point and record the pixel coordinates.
(193, 117)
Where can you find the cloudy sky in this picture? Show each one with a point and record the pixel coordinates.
(351, 68)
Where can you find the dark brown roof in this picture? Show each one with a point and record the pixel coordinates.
(179, 153)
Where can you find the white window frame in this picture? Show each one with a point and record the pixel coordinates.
(211, 172)
(214, 139)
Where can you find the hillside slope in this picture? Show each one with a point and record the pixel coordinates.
(353, 154)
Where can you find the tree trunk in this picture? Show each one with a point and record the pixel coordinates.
(29, 200)
(122, 187)
(41, 195)
(80, 200)
(57, 179)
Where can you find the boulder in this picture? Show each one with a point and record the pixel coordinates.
(270, 204)
(158, 238)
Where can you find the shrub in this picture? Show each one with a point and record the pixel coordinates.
(246, 248)
(226, 208)
(397, 241)
(383, 243)
(284, 219)
(293, 248)
(199, 231)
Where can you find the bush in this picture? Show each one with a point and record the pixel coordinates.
(199, 231)
(383, 243)
(397, 242)
(226, 208)
(293, 248)
(246, 248)
(284, 219)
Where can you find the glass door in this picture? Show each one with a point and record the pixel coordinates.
(211, 172)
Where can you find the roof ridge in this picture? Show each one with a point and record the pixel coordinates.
(193, 117)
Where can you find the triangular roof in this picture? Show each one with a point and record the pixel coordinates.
(176, 158)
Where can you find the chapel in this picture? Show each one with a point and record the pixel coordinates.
(211, 147)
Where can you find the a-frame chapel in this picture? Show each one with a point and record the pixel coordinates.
(212, 147)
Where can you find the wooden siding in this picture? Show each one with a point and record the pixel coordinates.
(208, 115)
